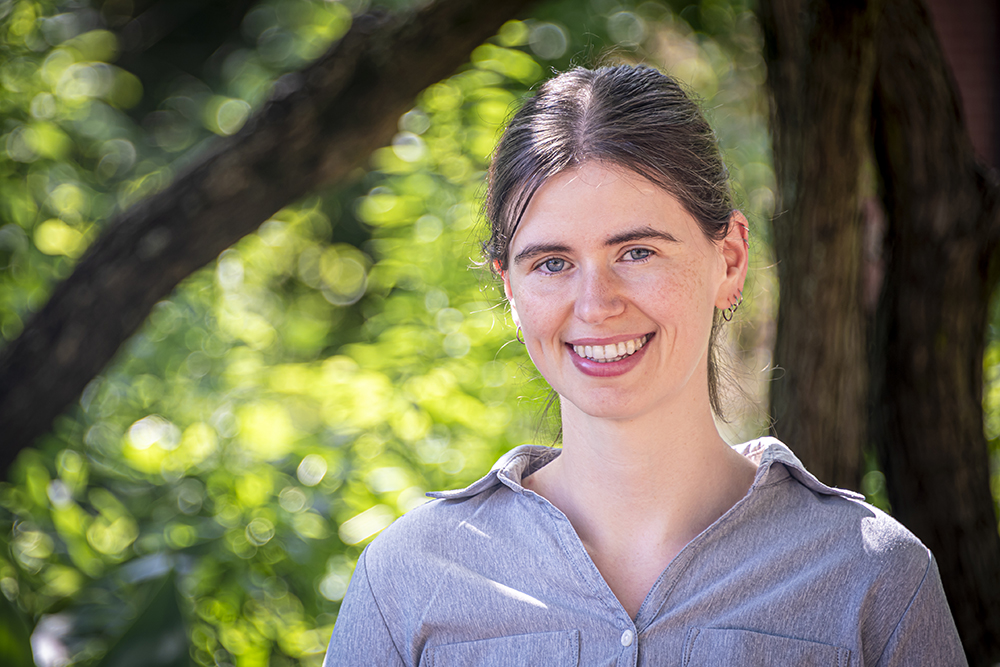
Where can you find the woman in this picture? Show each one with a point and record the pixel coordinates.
(645, 539)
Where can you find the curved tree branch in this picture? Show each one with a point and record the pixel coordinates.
(320, 124)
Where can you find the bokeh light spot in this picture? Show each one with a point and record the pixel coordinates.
(548, 41)
(311, 470)
(364, 525)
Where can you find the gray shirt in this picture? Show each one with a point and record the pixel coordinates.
(796, 573)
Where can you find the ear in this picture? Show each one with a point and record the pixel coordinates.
(735, 250)
(510, 297)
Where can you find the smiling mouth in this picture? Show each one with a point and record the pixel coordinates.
(604, 354)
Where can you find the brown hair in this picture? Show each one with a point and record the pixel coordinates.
(634, 117)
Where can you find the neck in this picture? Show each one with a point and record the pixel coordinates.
(643, 453)
(658, 479)
(638, 490)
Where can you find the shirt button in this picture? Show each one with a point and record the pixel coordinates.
(627, 638)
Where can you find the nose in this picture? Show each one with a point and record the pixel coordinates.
(599, 296)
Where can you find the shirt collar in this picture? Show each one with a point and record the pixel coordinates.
(521, 461)
(510, 469)
(767, 451)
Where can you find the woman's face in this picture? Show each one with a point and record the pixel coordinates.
(614, 287)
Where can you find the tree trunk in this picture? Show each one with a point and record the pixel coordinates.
(821, 63)
(322, 123)
(929, 328)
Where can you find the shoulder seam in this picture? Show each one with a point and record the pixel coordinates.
(888, 640)
(378, 606)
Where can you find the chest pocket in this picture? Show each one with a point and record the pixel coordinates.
(558, 649)
(709, 646)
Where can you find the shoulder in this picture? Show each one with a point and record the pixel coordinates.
(870, 539)
(832, 541)
(412, 556)
(822, 524)
(881, 577)
(459, 529)
(427, 530)
(491, 506)
(844, 571)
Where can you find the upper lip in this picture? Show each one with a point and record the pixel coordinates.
(611, 340)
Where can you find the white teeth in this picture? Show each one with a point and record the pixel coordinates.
(608, 353)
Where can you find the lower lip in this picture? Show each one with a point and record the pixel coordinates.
(610, 368)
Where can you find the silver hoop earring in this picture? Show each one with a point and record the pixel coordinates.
(728, 313)
(519, 336)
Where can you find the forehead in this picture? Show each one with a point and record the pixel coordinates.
(596, 201)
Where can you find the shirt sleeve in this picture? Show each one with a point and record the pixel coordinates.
(926, 634)
(360, 635)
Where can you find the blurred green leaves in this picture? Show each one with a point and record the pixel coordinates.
(15, 644)
(287, 403)
(157, 637)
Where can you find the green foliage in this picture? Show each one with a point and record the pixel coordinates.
(64, 141)
(15, 643)
(156, 638)
(288, 402)
(991, 400)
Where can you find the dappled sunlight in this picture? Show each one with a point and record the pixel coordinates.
(286, 403)
(472, 529)
(517, 595)
(364, 525)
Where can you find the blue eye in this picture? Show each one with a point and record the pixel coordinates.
(638, 254)
(554, 265)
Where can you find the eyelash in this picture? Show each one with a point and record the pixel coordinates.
(648, 253)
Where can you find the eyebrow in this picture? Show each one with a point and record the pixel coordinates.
(538, 249)
(637, 234)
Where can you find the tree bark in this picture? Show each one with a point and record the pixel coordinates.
(929, 329)
(821, 64)
(320, 124)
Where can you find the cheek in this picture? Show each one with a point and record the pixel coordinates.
(540, 322)
(680, 290)
(681, 303)
(537, 310)
(541, 325)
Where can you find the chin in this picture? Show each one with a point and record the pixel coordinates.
(616, 410)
